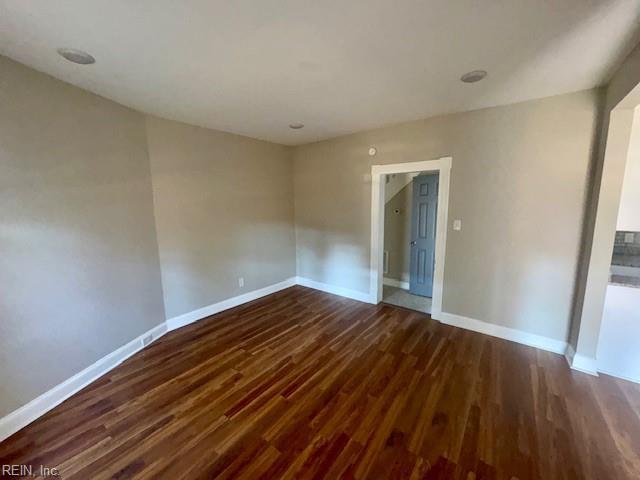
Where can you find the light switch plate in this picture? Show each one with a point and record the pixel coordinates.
(457, 225)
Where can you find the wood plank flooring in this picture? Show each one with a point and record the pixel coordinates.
(302, 384)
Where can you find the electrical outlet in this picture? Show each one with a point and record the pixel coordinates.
(147, 340)
(629, 237)
(457, 225)
(241, 282)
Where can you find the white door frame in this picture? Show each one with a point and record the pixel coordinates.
(443, 167)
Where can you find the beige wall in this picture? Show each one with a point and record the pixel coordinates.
(518, 184)
(79, 269)
(223, 209)
(397, 233)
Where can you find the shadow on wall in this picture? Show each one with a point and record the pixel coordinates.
(89, 296)
(224, 211)
(245, 254)
(397, 226)
(546, 262)
(332, 258)
(530, 307)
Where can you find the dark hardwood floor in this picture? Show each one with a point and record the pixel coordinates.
(310, 385)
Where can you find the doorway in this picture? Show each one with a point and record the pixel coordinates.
(408, 233)
(411, 205)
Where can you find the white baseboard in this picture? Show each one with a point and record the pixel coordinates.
(37, 407)
(195, 315)
(518, 336)
(623, 377)
(580, 362)
(392, 282)
(341, 291)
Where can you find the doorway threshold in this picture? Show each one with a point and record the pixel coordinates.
(402, 298)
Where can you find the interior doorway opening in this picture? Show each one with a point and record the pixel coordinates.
(618, 351)
(411, 205)
(408, 233)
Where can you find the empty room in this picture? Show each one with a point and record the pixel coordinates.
(325, 240)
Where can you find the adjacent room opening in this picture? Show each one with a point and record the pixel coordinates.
(410, 212)
(409, 209)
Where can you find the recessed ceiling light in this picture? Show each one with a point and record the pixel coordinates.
(296, 126)
(76, 56)
(473, 77)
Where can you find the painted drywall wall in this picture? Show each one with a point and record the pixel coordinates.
(619, 343)
(518, 184)
(629, 213)
(396, 182)
(621, 96)
(397, 233)
(79, 268)
(223, 209)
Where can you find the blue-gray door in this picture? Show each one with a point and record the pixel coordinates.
(423, 234)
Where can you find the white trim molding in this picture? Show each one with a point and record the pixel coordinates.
(199, 314)
(581, 363)
(506, 333)
(37, 407)
(341, 291)
(443, 167)
(392, 282)
(623, 377)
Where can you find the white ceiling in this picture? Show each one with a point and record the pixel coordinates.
(254, 66)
